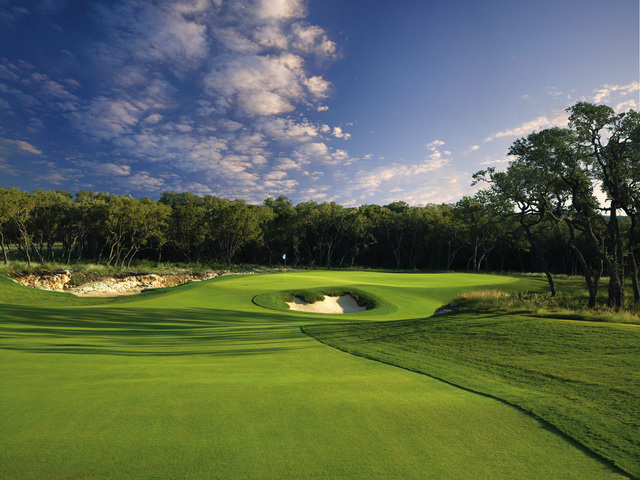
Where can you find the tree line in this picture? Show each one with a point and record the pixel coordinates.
(540, 214)
(183, 227)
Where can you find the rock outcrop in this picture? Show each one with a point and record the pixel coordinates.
(448, 308)
(100, 285)
(57, 280)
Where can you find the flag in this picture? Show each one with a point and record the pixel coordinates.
(284, 257)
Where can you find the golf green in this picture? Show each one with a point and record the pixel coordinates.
(199, 381)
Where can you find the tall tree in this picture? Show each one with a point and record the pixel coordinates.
(18, 209)
(187, 224)
(609, 142)
(482, 219)
(276, 227)
(46, 220)
(5, 216)
(232, 225)
(555, 174)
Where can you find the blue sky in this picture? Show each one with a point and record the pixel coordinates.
(353, 101)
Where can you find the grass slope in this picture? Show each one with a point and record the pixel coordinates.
(199, 382)
(582, 377)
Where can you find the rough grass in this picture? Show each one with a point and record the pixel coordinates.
(570, 304)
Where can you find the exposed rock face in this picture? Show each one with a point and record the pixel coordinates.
(107, 285)
(444, 309)
(57, 280)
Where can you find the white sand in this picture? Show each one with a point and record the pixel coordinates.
(343, 304)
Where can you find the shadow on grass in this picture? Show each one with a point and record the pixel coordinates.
(148, 332)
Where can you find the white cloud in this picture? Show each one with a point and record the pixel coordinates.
(230, 125)
(181, 127)
(502, 161)
(275, 175)
(113, 169)
(259, 85)
(271, 36)
(7, 169)
(287, 129)
(604, 93)
(320, 153)
(373, 180)
(287, 164)
(340, 156)
(312, 39)
(153, 118)
(107, 118)
(557, 118)
(624, 106)
(280, 9)
(25, 147)
(436, 155)
(553, 91)
(235, 41)
(263, 103)
(447, 189)
(472, 148)
(560, 118)
(318, 87)
(157, 33)
(312, 151)
(317, 193)
(146, 181)
(54, 178)
(435, 144)
(338, 133)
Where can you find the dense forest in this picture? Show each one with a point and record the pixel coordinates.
(540, 214)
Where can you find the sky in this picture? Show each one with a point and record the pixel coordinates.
(352, 101)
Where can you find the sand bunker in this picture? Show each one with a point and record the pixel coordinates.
(343, 304)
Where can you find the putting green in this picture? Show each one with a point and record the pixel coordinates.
(200, 382)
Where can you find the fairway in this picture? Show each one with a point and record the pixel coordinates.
(200, 382)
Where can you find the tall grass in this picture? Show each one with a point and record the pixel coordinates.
(571, 305)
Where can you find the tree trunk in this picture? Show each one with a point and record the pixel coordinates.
(543, 264)
(591, 285)
(632, 257)
(4, 252)
(451, 255)
(616, 292)
(24, 249)
(552, 285)
(616, 275)
(634, 276)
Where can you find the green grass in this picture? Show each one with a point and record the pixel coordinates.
(199, 381)
(580, 376)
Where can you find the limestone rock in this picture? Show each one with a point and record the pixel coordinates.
(93, 284)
